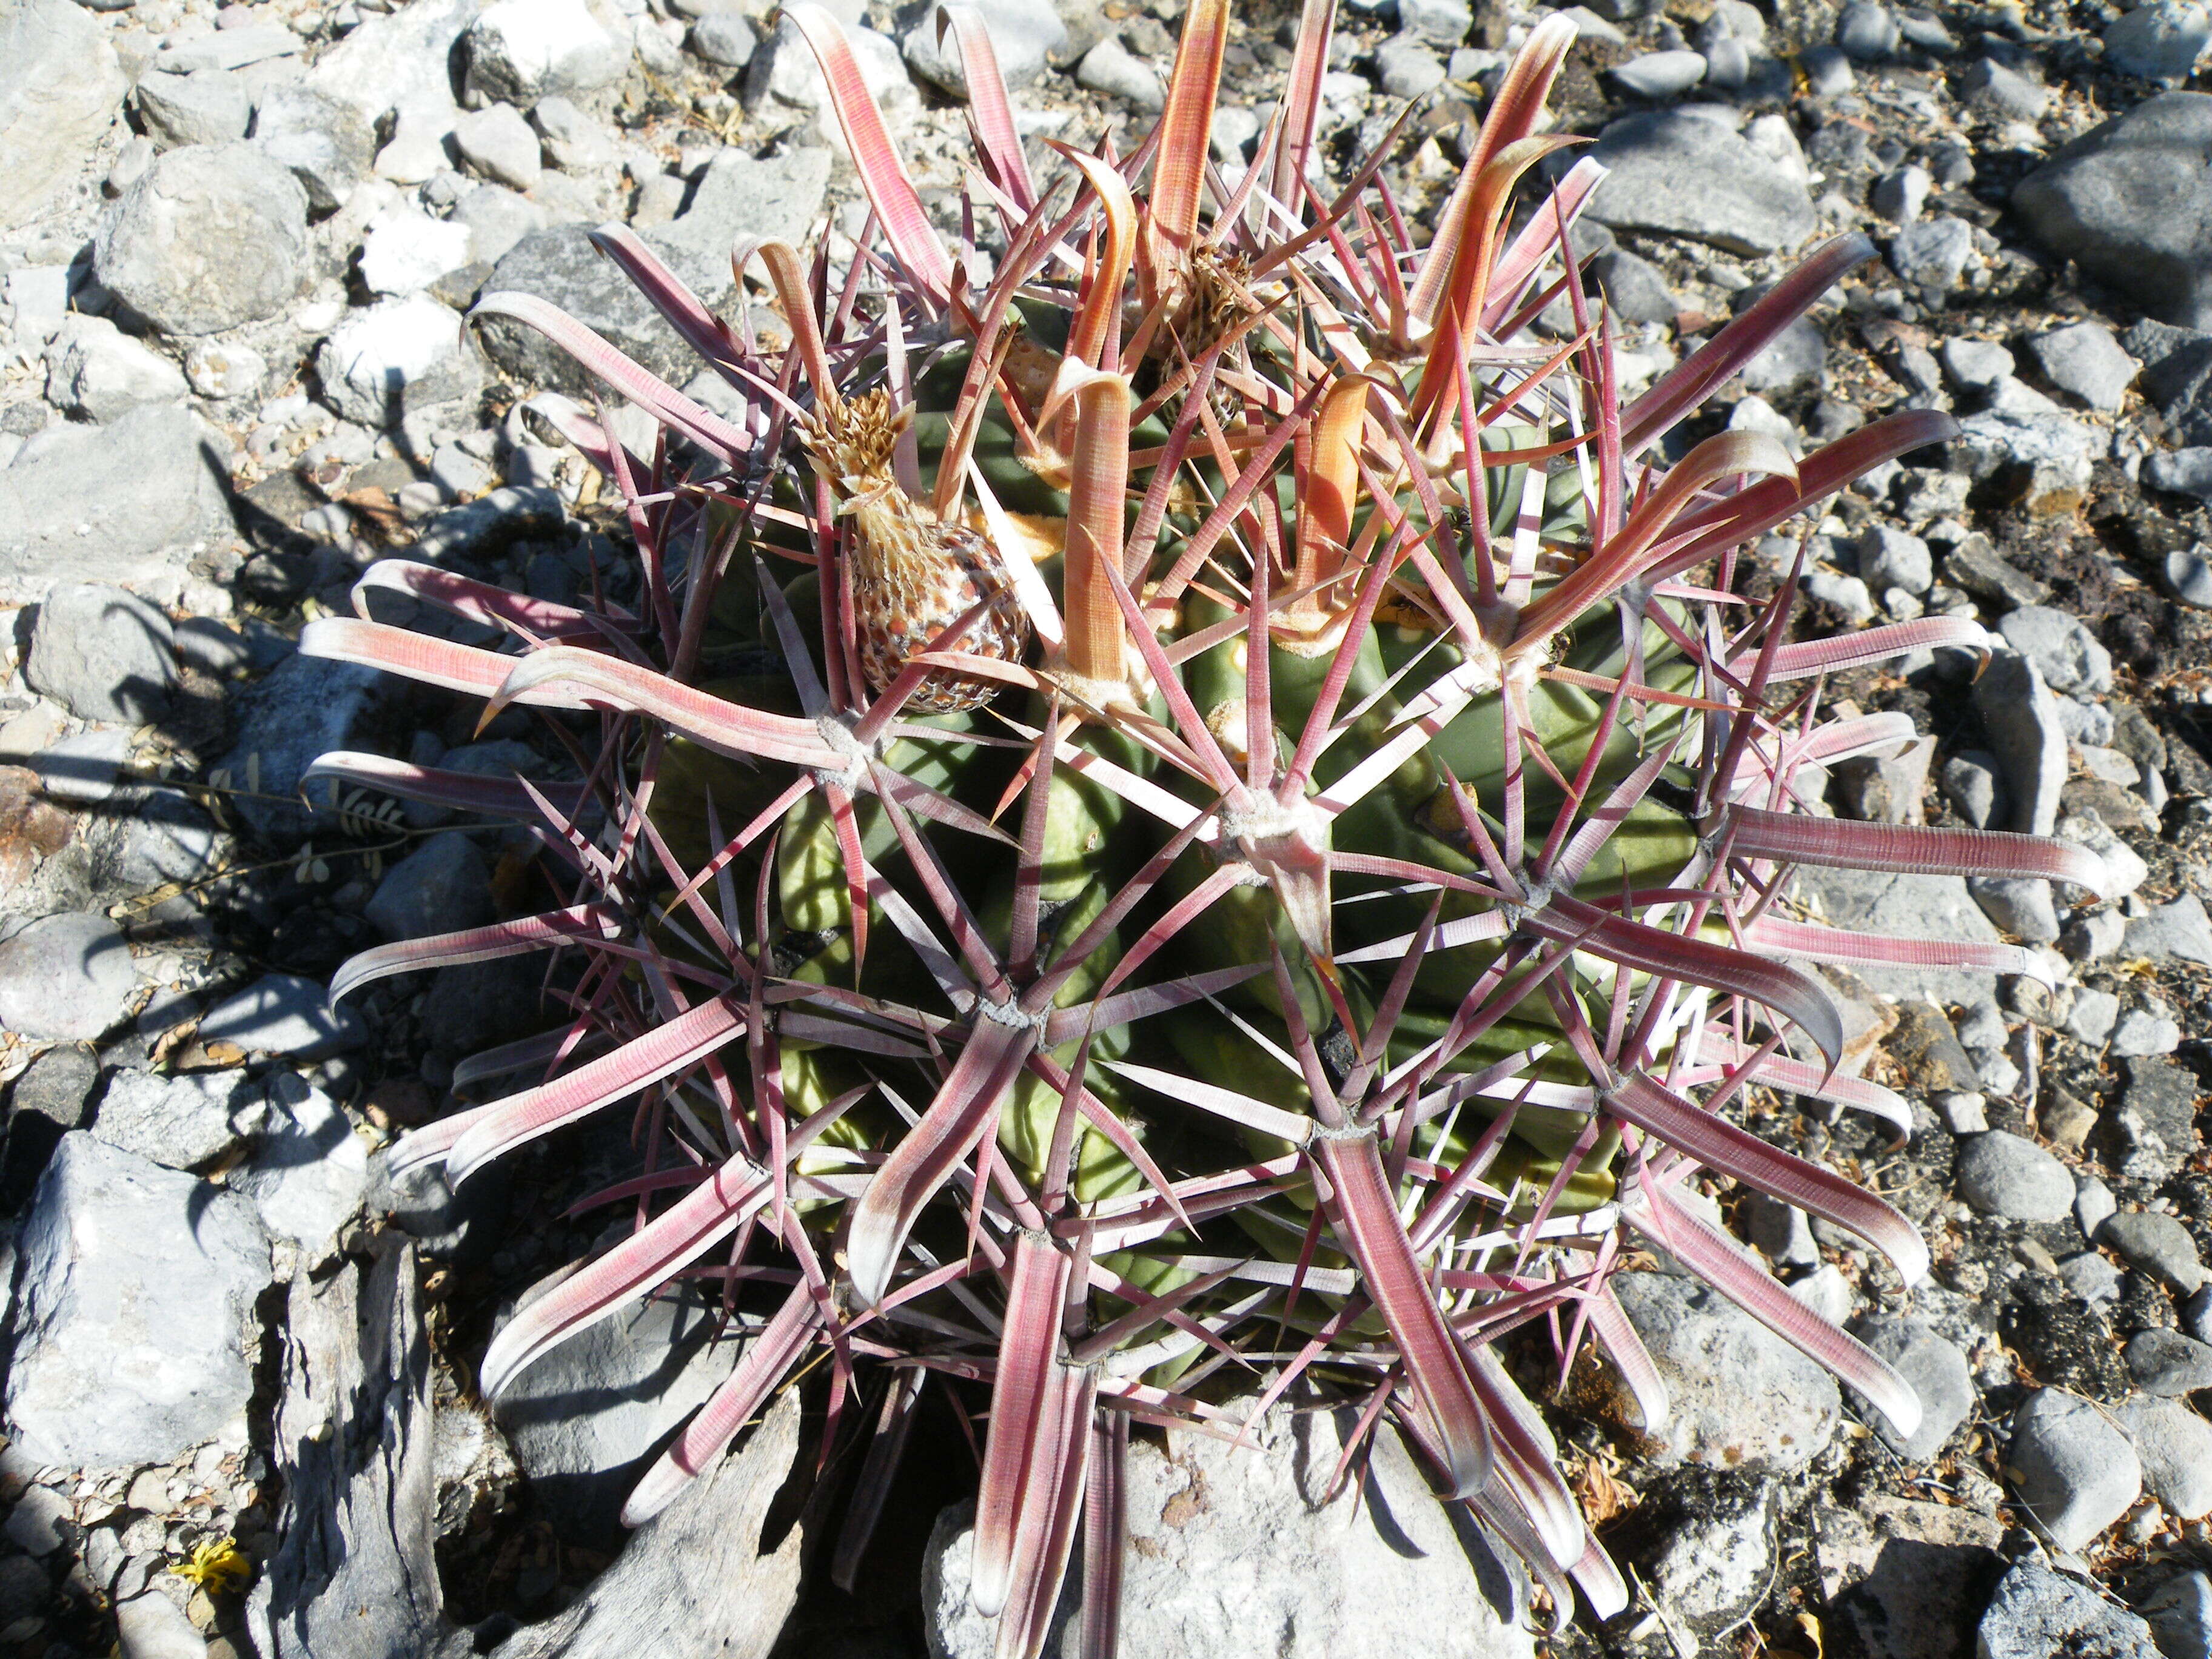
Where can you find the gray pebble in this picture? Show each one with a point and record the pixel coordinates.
(2094, 1205)
(2085, 360)
(1658, 74)
(2091, 1277)
(283, 1014)
(1867, 33)
(2175, 1445)
(103, 653)
(1898, 196)
(726, 39)
(1933, 253)
(2074, 1470)
(2158, 1244)
(2160, 42)
(1938, 1373)
(1976, 365)
(2183, 472)
(2189, 573)
(2038, 1613)
(2003, 1175)
(2062, 647)
(2180, 1613)
(66, 976)
(2167, 1362)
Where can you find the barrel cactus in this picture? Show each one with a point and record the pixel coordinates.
(1187, 807)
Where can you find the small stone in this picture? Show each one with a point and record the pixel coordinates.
(1886, 791)
(1634, 288)
(1828, 71)
(283, 1014)
(2094, 1205)
(1898, 196)
(177, 1123)
(323, 142)
(417, 152)
(574, 141)
(2175, 1447)
(65, 977)
(220, 371)
(2091, 1277)
(497, 144)
(2157, 1119)
(42, 1522)
(152, 1627)
(404, 251)
(1867, 33)
(2003, 93)
(1847, 596)
(726, 39)
(2022, 720)
(2090, 1019)
(1026, 39)
(2189, 573)
(2037, 1614)
(2180, 1613)
(209, 107)
(2141, 1035)
(103, 653)
(1659, 74)
(496, 217)
(1889, 558)
(1962, 1112)
(1933, 253)
(2180, 931)
(1443, 22)
(2019, 906)
(521, 51)
(2168, 1364)
(134, 1304)
(1937, 1372)
(1928, 1050)
(2064, 651)
(784, 70)
(1109, 68)
(1742, 1398)
(1972, 784)
(584, 1418)
(1715, 1564)
(2084, 360)
(443, 886)
(2160, 42)
(2002, 1175)
(2074, 1470)
(212, 237)
(1976, 365)
(1404, 68)
(397, 352)
(2120, 199)
(60, 87)
(1675, 173)
(2125, 870)
(96, 371)
(310, 1172)
(1975, 565)
(58, 1086)
(2066, 1121)
(2158, 1244)
(1782, 1233)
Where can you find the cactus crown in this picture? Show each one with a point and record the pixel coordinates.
(1190, 814)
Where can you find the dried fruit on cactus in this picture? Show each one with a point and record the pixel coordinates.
(1203, 809)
